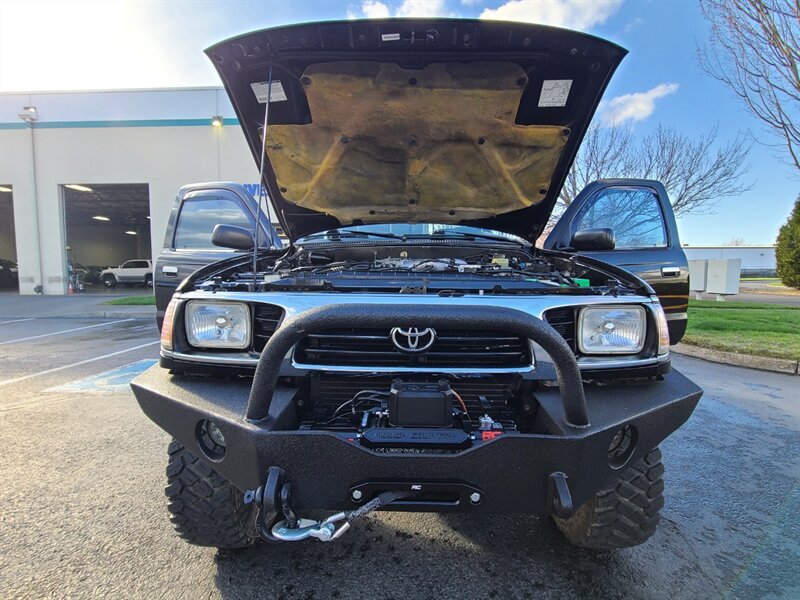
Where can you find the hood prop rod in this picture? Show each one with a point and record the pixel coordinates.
(261, 188)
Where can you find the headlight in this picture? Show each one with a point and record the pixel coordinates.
(218, 325)
(611, 330)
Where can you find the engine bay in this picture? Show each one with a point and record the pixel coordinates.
(444, 267)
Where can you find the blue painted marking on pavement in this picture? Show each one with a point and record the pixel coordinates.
(114, 381)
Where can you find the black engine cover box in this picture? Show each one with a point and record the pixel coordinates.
(421, 404)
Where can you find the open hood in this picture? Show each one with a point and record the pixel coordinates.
(416, 121)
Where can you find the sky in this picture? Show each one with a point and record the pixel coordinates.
(108, 44)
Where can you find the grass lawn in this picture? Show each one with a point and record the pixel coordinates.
(745, 328)
(133, 301)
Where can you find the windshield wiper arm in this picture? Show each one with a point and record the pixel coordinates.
(336, 234)
(474, 236)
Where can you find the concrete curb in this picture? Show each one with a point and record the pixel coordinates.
(122, 315)
(762, 363)
(93, 315)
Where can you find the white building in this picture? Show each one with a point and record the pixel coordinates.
(67, 158)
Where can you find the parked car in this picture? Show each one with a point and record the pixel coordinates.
(94, 274)
(411, 349)
(138, 271)
(9, 273)
(188, 246)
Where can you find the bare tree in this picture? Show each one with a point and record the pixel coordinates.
(696, 172)
(754, 50)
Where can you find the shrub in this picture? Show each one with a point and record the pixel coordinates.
(787, 249)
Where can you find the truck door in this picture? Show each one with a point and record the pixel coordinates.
(647, 244)
(187, 243)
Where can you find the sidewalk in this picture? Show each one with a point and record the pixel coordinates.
(14, 306)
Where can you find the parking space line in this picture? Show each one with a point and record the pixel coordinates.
(77, 364)
(17, 321)
(35, 337)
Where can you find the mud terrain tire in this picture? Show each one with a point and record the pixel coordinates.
(205, 508)
(623, 515)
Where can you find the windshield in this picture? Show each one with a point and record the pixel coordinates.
(401, 230)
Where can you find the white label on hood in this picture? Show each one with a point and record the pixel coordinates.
(261, 90)
(555, 92)
(390, 37)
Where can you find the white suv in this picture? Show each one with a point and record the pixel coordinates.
(131, 271)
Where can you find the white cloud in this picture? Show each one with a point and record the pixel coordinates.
(471, 2)
(421, 8)
(633, 107)
(373, 9)
(572, 14)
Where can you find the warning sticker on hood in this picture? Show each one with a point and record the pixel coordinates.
(261, 90)
(555, 92)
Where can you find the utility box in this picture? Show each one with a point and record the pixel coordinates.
(722, 276)
(698, 276)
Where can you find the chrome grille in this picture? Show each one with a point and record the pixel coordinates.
(453, 348)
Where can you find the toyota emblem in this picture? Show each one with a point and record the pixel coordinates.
(413, 339)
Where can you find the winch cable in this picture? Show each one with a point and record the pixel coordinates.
(377, 502)
(327, 530)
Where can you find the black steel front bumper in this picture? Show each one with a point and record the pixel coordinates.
(513, 471)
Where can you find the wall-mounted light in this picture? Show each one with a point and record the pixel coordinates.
(78, 188)
(217, 121)
(28, 114)
(5, 189)
(100, 218)
(131, 232)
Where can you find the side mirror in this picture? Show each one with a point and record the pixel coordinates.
(594, 239)
(231, 236)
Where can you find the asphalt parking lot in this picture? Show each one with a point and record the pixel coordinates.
(82, 511)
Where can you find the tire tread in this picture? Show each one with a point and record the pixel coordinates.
(205, 508)
(623, 515)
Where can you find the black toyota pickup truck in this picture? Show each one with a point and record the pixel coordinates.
(411, 349)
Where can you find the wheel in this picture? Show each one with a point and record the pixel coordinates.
(148, 280)
(109, 281)
(624, 514)
(205, 508)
